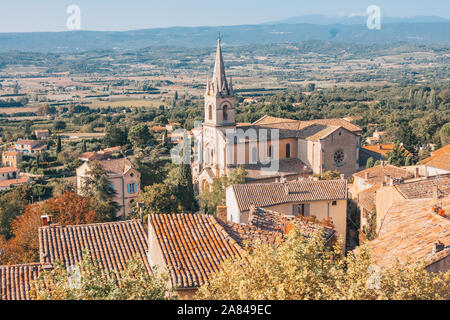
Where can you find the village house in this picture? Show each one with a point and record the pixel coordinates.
(11, 158)
(28, 146)
(42, 134)
(325, 200)
(124, 178)
(376, 175)
(9, 173)
(414, 231)
(437, 163)
(375, 137)
(396, 191)
(270, 147)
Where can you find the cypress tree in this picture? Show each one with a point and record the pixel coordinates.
(58, 145)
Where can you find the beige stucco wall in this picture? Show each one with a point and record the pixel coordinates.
(384, 199)
(346, 141)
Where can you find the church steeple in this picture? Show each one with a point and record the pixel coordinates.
(219, 85)
(220, 102)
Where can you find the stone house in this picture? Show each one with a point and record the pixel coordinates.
(124, 178)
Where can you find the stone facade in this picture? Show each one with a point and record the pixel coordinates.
(315, 146)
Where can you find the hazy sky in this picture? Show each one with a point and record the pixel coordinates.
(50, 15)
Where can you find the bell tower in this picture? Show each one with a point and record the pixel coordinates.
(220, 101)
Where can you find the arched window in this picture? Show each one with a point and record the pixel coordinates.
(271, 152)
(288, 150)
(224, 112)
(254, 155)
(210, 111)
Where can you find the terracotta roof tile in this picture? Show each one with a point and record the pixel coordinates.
(193, 246)
(117, 166)
(409, 230)
(12, 182)
(269, 194)
(270, 227)
(383, 148)
(376, 174)
(15, 280)
(284, 167)
(425, 188)
(111, 244)
(367, 197)
(440, 161)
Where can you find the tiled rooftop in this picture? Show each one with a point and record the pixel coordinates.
(409, 230)
(425, 188)
(8, 169)
(111, 244)
(439, 158)
(269, 194)
(383, 148)
(376, 174)
(367, 197)
(11, 182)
(193, 246)
(15, 280)
(117, 166)
(270, 227)
(284, 167)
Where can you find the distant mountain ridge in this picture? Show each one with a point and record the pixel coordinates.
(198, 37)
(358, 18)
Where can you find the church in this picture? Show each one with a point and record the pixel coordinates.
(269, 149)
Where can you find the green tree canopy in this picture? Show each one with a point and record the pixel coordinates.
(305, 268)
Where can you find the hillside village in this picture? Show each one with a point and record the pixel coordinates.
(119, 196)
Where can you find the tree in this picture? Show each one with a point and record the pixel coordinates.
(329, 175)
(89, 282)
(115, 135)
(58, 145)
(186, 189)
(159, 198)
(445, 133)
(59, 125)
(304, 267)
(397, 156)
(184, 184)
(66, 209)
(97, 186)
(12, 205)
(210, 200)
(69, 208)
(369, 163)
(139, 135)
(84, 148)
(24, 246)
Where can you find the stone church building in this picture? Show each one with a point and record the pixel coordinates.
(270, 149)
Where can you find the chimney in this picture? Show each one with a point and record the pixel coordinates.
(379, 147)
(222, 213)
(46, 220)
(437, 247)
(382, 163)
(416, 172)
(342, 176)
(386, 179)
(366, 175)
